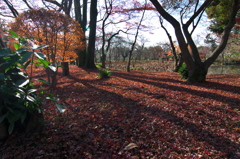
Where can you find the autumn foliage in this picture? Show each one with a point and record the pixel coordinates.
(61, 33)
(136, 115)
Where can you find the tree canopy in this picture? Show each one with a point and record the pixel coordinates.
(62, 33)
(219, 12)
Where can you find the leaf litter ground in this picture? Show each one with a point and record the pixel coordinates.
(136, 115)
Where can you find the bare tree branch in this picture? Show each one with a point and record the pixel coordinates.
(10, 6)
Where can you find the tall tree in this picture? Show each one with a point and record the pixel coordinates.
(81, 17)
(197, 70)
(177, 58)
(111, 11)
(92, 35)
(135, 40)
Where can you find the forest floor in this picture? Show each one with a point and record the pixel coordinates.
(135, 115)
(160, 66)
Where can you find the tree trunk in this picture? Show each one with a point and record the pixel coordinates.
(81, 17)
(197, 70)
(129, 61)
(2, 45)
(65, 68)
(92, 35)
(197, 74)
(178, 62)
(52, 77)
(81, 60)
(103, 60)
(135, 40)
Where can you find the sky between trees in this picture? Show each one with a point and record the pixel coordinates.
(150, 36)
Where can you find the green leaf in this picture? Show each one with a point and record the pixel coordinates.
(36, 47)
(44, 62)
(5, 52)
(21, 50)
(31, 99)
(25, 56)
(37, 64)
(40, 55)
(31, 37)
(22, 90)
(26, 64)
(32, 91)
(14, 34)
(2, 117)
(11, 60)
(61, 107)
(53, 68)
(55, 99)
(41, 91)
(43, 81)
(23, 42)
(2, 76)
(22, 82)
(17, 46)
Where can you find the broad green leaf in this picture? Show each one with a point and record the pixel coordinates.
(31, 91)
(31, 99)
(17, 46)
(5, 52)
(25, 56)
(22, 82)
(20, 74)
(32, 37)
(21, 50)
(10, 61)
(23, 42)
(37, 64)
(36, 47)
(61, 107)
(2, 76)
(52, 97)
(55, 99)
(22, 90)
(40, 55)
(26, 64)
(44, 62)
(43, 81)
(41, 91)
(14, 34)
(53, 68)
(2, 117)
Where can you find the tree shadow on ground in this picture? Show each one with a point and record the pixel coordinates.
(158, 82)
(123, 113)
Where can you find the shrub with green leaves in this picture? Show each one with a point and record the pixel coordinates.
(18, 95)
(99, 65)
(183, 70)
(104, 73)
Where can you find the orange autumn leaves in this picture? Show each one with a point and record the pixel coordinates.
(62, 34)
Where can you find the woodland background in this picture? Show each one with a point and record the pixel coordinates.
(79, 79)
